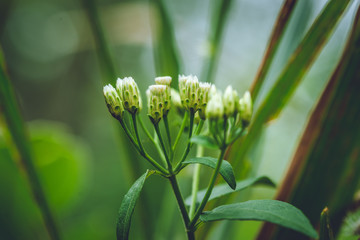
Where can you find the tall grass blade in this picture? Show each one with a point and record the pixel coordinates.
(221, 11)
(289, 79)
(15, 123)
(166, 55)
(325, 170)
(275, 39)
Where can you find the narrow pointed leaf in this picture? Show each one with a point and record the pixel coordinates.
(325, 170)
(204, 141)
(127, 207)
(286, 84)
(226, 170)
(273, 211)
(274, 42)
(223, 189)
(325, 228)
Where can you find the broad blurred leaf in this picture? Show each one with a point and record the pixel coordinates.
(274, 211)
(226, 170)
(204, 141)
(223, 189)
(289, 79)
(127, 207)
(9, 108)
(325, 170)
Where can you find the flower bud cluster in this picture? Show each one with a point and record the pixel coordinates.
(159, 99)
(113, 101)
(229, 105)
(201, 98)
(129, 94)
(194, 95)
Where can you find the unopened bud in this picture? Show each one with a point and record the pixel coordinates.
(203, 98)
(189, 92)
(245, 108)
(158, 102)
(215, 108)
(166, 80)
(129, 94)
(231, 101)
(113, 101)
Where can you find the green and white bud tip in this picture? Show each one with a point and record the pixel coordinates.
(113, 101)
(245, 108)
(166, 80)
(129, 94)
(215, 107)
(231, 102)
(203, 98)
(189, 92)
(158, 102)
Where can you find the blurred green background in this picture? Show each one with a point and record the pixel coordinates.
(82, 161)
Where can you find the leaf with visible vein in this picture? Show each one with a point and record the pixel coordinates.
(226, 170)
(273, 211)
(128, 205)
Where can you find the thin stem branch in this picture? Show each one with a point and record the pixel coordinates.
(209, 190)
(181, 131)
(181, 204)
(195, 183)
(156, 125)
(188, 147)
(140, 147)
(166, 123)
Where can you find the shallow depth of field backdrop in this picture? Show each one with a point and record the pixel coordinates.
(82, 162)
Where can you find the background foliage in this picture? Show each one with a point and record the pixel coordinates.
(84, 164)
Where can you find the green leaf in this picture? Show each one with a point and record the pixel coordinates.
(226, 170)
(128, 205)
(204, 141)
(325, 228)
(325, 169)
(298, 65)
(273, 211)
(223, 189)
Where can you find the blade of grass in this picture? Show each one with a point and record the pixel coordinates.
(275, 39)
(166, 55)
(218, 21)
(289, 79)
(15, 123)
(107, 67)
(325, 170)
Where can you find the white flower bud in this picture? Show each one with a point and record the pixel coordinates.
(113, 101)
(245, 108)
(158, 102)
(129, 94)
(203, 98)
(231, 101)
(189, 92)
(166, 80)
(215, 107)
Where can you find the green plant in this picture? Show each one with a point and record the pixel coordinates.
(226, 118)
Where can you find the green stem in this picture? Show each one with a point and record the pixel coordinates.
(181, 204)
(188, 147)
(156, 125)
(209, 189)
(195, 183)
(139, 146)
(181, 130)
(166, 123)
